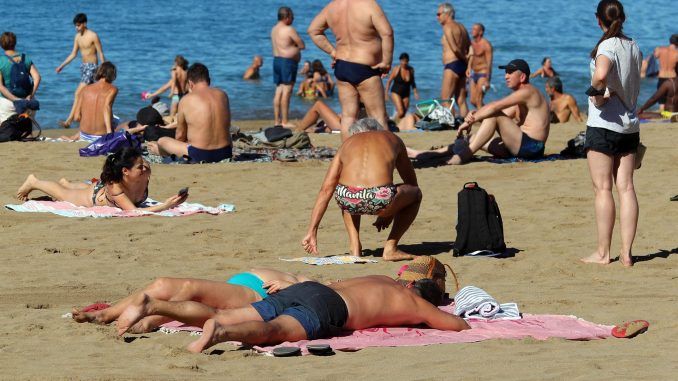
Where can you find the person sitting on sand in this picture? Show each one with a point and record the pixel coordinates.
(203, 122)
(523, 139)
(123, 184)
(252, 71)
(562, 105)
(320, 110)
(361, 180)
(546, 69)
(307, 311)
(177, 84)
(239, 290)
(666, 91)
(94, 105)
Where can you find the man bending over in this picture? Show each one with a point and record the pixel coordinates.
(361, 180)
(203, 122)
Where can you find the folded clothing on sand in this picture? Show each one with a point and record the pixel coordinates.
(474, 303)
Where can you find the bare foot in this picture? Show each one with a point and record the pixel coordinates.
(358, 251)
(153, 148)
(63, 182)
(396, 255)
(627, 261)
(84, 317)
(131, 315)
(212, 333)
(455, 160)
(382, 223)
(289, 125)
(26, 188)
(596, 258)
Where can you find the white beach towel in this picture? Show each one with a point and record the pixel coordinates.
(333, 260)
(474, 303)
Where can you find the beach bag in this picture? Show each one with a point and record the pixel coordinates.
(274, 134)
(425, 267)
(110, 143)
(435, 116)
(575, 146)
(20, 81)
(479, 224)
(154, 133)
(18, 127)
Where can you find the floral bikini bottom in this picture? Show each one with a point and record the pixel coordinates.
(358, 200)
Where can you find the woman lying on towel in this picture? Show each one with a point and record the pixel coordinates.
(123, 184)
(239, 290)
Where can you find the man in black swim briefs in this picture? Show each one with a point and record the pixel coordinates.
(455, 42)
(363, 53)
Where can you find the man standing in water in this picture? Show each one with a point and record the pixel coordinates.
(363, 53)
(480, 62)
(287, 46)
(456, 44)
(89, 45)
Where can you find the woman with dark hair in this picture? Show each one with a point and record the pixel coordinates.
(402, 77)
(612, 133)
(177, 84)
(322, 81)
(546, 69)
(123, 184)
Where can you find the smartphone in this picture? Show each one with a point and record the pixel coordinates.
(183, 191)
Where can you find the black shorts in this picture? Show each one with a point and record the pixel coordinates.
(611, 142)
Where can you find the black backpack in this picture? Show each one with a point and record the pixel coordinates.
(479, 224)
(18, 127)
(20, 81)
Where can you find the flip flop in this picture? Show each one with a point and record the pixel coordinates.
(674, 198)
(287, 351)
(319, 349)
(630, 329)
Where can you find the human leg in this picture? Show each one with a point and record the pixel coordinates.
(286, 94)
(460, 95)
(67, 184)
(371, 93)
(398, 104)
(277, 99)
(628, 204)
(348, 98)
(79, 197)
(402, 211)
(600, 168)
(448, 85)
(170, 146)
(352, 223)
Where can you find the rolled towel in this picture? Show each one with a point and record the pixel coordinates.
(472, 300)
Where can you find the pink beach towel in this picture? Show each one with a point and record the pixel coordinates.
(66, 209)
(540, 327)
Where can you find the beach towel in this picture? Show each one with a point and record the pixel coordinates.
(66, 209)
(475, 303)
(496, 160)
(258, 155)
(332, 260)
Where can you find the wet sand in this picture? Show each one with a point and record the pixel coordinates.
(52, 263)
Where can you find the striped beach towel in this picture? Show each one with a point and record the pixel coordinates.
(474, 303)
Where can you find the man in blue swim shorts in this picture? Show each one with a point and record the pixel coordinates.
(287, 47)
(363, 54)
(203, 122)
(521, 120)
(455, 42)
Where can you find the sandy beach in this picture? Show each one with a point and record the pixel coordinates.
(52, 263)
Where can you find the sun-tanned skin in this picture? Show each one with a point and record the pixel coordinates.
(480, 62)
(88, 44)
(363, 36)
(252, 71)
(203, 121)
(320, 110)
(563, 105)
(94, 109)
(371, 301)
(668, 90)
(286, 43)
(456, 43)
(215, 294)
(668, 58)
(368, 159)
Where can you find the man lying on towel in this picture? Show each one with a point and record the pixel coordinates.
(307, 311)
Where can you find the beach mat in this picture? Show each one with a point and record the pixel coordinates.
(257, 155)
(66, 209)
(331, 260)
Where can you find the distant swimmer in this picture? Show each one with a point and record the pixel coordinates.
(456, 43)
(89, 45)
(521, 120)
(479, 69)
(252, 71)
(360, 179)
(177, 84)
(546, 70)
(363, 53)
(667, 57)
(287, 47)
(562, 105)
(203, 122)
(94, 108)
(402, 77)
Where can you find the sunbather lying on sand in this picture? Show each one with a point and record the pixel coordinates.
(239, 290)
(123, 184)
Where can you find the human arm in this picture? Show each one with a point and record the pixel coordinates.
(100, 50)
(297, 39)
(493, 108)
(162, 88)
(316, 30)
(404, 165)
(414, 85)
(390, 79)
(599, 78)
(123, 202)
(326, 191)
(574, 109)
(385, 32)
(108, 110)
(275, 285)
(35, 74)
(70, 57)
(435, 318)
(489, 57)
(182, 127)
(662, 91)
(5, 91)
(470, 57)
(537, 73)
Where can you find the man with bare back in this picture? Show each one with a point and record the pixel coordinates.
(287, 47)
(456, 44)
(307, 311)
(363, 53)
(667, 57)
(89, 45)
(479, 69)
(203, 122)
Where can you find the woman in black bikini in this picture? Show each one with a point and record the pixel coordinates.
(402, 77)
(123, 184)
(546, 69)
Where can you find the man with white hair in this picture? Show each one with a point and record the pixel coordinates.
(361, 180)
